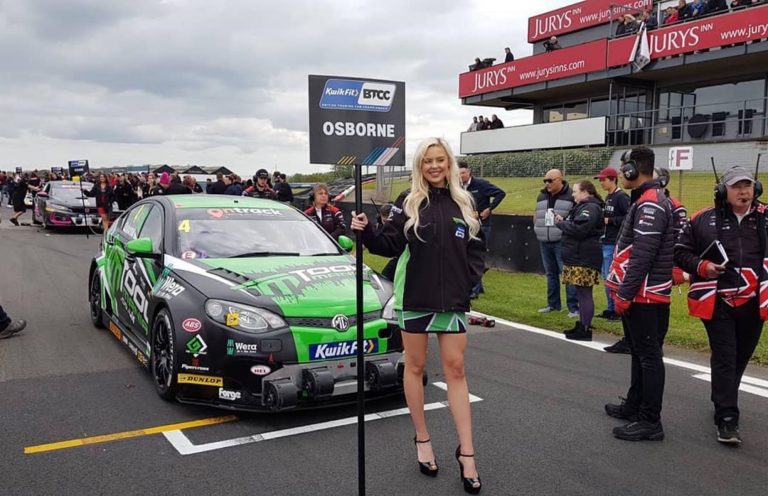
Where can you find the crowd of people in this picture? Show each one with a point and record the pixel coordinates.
(480, 123)
(684, 11)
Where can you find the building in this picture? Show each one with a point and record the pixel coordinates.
(703, 83)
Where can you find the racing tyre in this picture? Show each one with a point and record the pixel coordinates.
(162, 360)
(94, 300)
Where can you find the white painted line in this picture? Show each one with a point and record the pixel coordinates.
(599, 347)
(185, 447)
(743, 387)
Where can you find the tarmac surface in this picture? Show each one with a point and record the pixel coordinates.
(538, 414)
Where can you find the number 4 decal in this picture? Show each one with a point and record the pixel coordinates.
(185, 226)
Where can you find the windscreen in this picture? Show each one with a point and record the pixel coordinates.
(248, 232)
(71, 193)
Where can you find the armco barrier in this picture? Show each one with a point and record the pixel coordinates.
(513, 243)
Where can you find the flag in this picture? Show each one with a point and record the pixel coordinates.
(641, 54)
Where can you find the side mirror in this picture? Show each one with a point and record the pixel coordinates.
(346, 243)
(141, 248)
(42, 194)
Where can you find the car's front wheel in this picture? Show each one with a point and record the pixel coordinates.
(94, 300)
(163, 356)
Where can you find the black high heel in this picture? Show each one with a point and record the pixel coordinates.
(426, 467)
(469, 482)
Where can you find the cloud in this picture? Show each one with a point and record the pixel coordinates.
(192, 81)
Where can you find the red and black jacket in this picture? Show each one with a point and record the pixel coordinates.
(745, 273)
(641, 270)
(332, 220)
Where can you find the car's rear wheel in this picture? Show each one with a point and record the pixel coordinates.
(94, 300)
(163, 356)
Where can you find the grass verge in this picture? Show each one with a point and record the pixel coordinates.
(517, 297)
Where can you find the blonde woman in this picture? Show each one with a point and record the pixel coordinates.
(435, 234)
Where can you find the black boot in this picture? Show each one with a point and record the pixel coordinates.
(581, 334)
(576, 327)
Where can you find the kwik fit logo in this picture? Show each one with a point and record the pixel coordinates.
(341, 349)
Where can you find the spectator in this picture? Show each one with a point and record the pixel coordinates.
(649, 19)
(496, 123)
(480, 123)
(219, 187)
(164, 181)
(477, 65)
(487, 197)
(487, 123)
(641, 282)
(508, 57)
(716, 6)
(177, 188)
(698, 8)
(152, 188)
(582, 257)
(283, 190)
(732, 312)
(552, 44)
(191, 183)
(4, 179)
(19, 194)
(208, 184)
(627, 25)
(9, 327)
(473, 126)
(555, 198)
(672, 15)
(261, 187)
(125, 195)
(683, 10)
(616, 207)
(326, 215)
(233, 188)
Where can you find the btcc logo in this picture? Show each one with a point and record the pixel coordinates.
(350, 94)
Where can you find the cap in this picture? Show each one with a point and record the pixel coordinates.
(608, 172)
(262, 173)
(165, 179)
(736, 174)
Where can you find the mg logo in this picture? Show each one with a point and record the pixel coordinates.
(340, 323)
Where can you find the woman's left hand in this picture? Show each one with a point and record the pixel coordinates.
(558, 218)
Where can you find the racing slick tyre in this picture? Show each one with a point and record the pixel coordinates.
(94, 301)
(162, 360)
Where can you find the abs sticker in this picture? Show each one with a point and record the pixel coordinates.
(201, 380)
(191, 325)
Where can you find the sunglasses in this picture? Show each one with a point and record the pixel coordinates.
(549, 181)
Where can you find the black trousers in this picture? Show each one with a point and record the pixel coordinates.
(733, 337)
(645, 327)
(5, 321)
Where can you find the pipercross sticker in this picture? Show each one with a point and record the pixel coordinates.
(349, 94)
(196, 346)
(342, 349)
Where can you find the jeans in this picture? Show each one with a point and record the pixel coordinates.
(645, 327)
(553, 266)
(733, 337)
(607, 259)
(5, 321)
(486, 228)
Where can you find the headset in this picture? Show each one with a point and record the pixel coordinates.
(662, 175)
(721, 192)
(628, 166)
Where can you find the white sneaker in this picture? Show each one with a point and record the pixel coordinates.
(573, 315)
(546, 310)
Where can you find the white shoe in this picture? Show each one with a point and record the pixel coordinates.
(573, 315)
(546, 310)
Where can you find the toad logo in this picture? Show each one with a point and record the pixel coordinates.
(340, 323)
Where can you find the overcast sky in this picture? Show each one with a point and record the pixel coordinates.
(225, 82)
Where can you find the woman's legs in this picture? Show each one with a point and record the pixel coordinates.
(586, 305)
(415, 346)
(452, 348)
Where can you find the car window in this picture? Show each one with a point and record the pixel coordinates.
(153, 228)
(134, 221)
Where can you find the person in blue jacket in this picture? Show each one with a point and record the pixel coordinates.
(487, 197)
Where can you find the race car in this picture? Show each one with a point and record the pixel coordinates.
(62, 204)
(242, 303)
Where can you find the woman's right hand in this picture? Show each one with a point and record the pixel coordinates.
(359, 221)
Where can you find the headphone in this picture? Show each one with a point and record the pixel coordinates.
(721, 192)
(629, 167)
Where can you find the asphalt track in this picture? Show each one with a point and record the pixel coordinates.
(539, 427)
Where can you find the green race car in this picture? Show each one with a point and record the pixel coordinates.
(242, 303)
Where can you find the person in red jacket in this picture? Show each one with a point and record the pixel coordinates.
(640, 280)
(731, 298)
(329, 217)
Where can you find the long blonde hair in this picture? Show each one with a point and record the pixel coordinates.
(420, 190)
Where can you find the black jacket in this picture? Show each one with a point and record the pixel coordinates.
(177, 189)
(217, 188)
(124, 195)
(284, 192)
(485, 194)
(745, 245)
(580, 246)
(437, 274)
(104, 198)
(641, 270)
(616, 208)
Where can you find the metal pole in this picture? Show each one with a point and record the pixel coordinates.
(680, 185)
(360, 333)
(85, 214)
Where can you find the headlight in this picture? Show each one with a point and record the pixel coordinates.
(53, 207)
(388, 313)
(242, 317)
